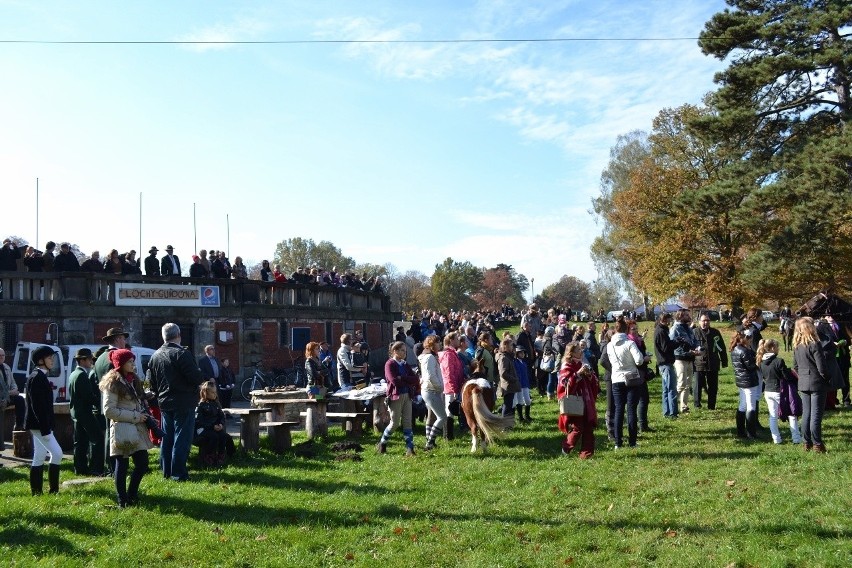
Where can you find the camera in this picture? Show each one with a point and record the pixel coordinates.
(154, 427)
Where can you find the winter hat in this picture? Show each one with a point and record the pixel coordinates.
(119, 357)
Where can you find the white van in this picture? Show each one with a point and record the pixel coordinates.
(65, 364)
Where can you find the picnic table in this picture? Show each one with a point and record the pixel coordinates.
(249, 426)
(353, 402)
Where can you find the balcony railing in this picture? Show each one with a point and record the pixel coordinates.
(99, 289)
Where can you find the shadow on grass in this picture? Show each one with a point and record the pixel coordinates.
(28, 533)
(770, 529)
(266, 515)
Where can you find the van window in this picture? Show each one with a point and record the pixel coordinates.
(23, 360)
(145, 359)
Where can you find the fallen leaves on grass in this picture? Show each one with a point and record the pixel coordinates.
(261, 537)
(611, 505)
(730, 482)
(670, 533)
(349, 556)
(398, 530)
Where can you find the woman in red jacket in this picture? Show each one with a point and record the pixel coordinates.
(578, 379)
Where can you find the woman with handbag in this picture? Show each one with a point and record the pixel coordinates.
(579, 381)
(128, 434)
(625, 358)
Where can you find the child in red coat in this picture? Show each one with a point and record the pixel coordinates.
(578, 379)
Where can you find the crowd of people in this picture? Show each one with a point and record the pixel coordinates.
(427, 366)
(205, 264)
(117, 419)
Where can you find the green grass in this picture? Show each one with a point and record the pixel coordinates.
(691, 495)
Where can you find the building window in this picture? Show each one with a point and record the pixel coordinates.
(301, 337)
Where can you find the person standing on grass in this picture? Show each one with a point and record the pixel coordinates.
(453, 373)
(432, 390)
(175, 377)
(644, 398)
(812, 369)
(578, 379)
(686, 348)
(40, 422)
(128, 438)
(624, 357)
(522, 397)
(775, 375)
(708, 361)
(508, 384)
(744, 362)
(84, 402)
(403, 386)
(664, 349)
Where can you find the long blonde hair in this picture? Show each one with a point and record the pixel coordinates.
(804, 332)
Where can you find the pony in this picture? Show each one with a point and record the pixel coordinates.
(478, 399)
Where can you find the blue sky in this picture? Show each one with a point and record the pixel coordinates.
(400, 153)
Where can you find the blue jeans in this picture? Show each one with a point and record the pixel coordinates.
(813, 404)
(179, 428)
(622, 396)
(552, 378)
(669, 381)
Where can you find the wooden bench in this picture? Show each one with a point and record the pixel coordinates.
(352, 422)
(249, 426)
(279, 435)
(316, 423)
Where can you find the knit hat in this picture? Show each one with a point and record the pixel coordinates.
(119, 357)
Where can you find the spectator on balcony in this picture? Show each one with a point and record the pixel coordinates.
(152, 264)
(218, 269)
(170, 263)
(225, 262)
(93, 264)
(239, 271)
(298, 275)
(197, 270)
(202, 254)
(130, 264)
(65, 261)
(34, 260)
(265, 272)
(49, 257)
(113, 264)
(277, 275)
(9, 255)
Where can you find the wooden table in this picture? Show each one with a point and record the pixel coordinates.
(381, 414)
(249, 426)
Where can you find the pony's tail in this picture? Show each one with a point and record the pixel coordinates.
(492, 426)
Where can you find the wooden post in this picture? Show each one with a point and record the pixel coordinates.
(381, 414)
(22, 444)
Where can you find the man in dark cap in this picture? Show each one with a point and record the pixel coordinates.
(170, 264)
(85, 404)
(152, 265)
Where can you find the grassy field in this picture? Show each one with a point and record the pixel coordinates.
(690, 495)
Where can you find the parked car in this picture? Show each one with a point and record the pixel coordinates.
(769, 316)
(65, 364)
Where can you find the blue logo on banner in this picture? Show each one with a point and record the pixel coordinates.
(210, 296)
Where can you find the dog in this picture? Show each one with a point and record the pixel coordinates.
(478, 399)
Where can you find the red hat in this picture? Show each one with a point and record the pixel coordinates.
(120, 356)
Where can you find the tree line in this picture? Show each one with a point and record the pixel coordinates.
(745, 197)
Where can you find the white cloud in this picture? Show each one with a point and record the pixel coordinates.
(241, 29)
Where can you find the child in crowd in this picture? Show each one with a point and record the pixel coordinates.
(780, 391)
(522, 398)
(211, 437)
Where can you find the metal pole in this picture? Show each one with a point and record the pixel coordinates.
(194, 232)
(140, 224)
(36, 241)
(228, 235)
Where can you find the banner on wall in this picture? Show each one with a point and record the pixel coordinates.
(141, 294)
